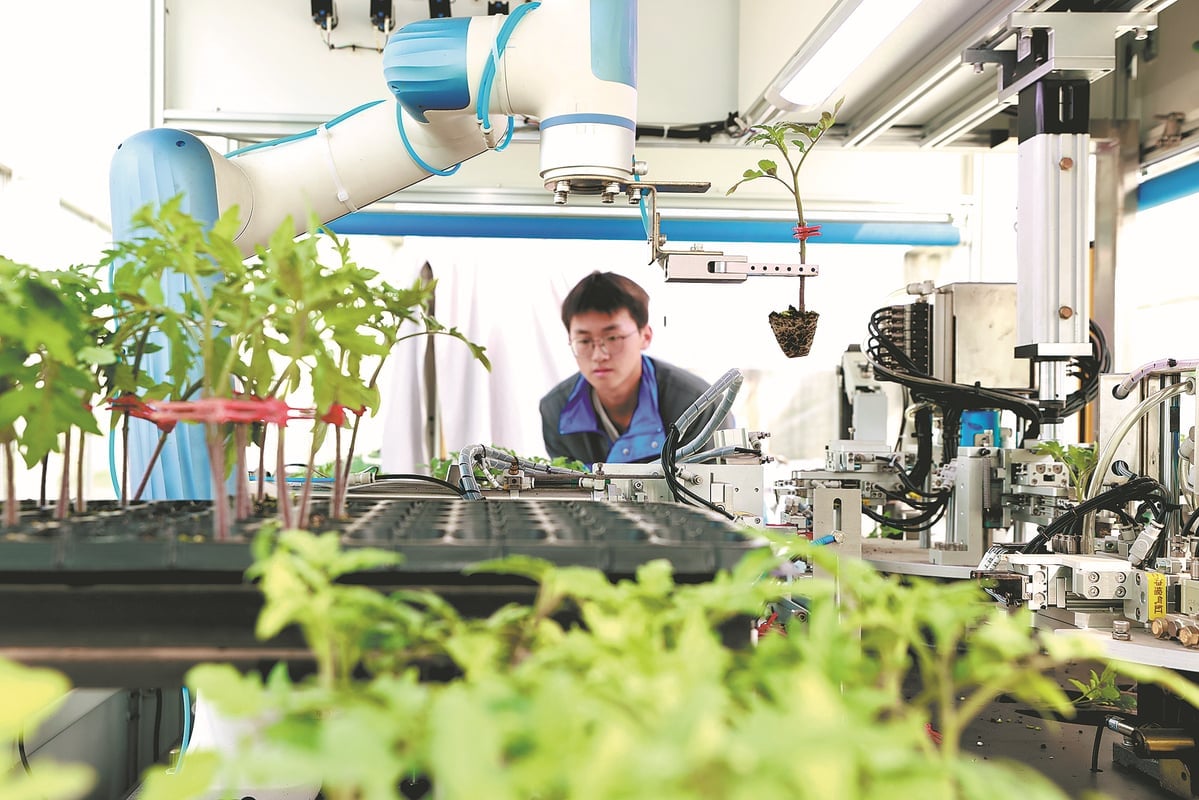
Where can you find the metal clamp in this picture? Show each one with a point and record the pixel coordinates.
(698, 265)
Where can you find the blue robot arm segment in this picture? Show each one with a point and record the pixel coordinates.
(424, 64)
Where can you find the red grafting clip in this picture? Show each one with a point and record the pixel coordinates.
(771, 624)
(222, 409)
(805, 232)
(336, 415)
(134, 407)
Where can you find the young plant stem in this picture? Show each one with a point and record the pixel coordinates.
(349, 462)
(138, 354)
(11, 505)
(260, 489)
(45, 477)
(949, 722)
(80, 500)
(141, 486)
(125, 462)
(242, 507)
(306, 491)
(64, 483)
(337, 499)
(802, 280)
(282, 500)
(216, 468)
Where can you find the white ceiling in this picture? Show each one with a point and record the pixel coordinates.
(698, 62)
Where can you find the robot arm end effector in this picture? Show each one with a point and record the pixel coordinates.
(588, 133)
(585, 100)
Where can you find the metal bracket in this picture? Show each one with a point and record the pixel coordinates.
(704, 266)
(1078, 46)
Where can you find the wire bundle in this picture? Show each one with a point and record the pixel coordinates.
(721, 394)
(1154, 500)
(951, 398)
(929, 505)
(669, 471)
(1087, 370)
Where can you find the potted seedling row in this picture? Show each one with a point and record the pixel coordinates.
(235, 338)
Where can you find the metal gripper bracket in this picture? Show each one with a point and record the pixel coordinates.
(696, 265)
(699, 265)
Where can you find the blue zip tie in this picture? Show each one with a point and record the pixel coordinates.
(490, 67)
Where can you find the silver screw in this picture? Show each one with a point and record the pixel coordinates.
(561, 192)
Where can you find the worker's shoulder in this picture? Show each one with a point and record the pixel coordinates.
(558, 395)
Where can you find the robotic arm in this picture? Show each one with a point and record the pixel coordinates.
(569, 63)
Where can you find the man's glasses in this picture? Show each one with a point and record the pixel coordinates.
(610, 345)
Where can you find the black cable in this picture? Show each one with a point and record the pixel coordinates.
(24, 755)
(157, 752)
(412, 476)
(1087, 370)
(680, 492)
(953, 398)
(700, 131)
(1189, 524)
(921, 522)
(1149, 491)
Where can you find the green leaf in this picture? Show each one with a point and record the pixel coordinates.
(233, 694)
(97, 355)
(189, 783)
(30, 695)
(50, 781)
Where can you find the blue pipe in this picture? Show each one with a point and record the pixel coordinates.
(628, 229)
(1171, 186)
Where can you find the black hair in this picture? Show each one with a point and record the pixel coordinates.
(607, 293)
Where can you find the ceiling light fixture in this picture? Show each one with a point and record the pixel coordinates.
(847, 35)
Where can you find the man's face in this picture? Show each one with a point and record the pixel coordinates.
(608, 348)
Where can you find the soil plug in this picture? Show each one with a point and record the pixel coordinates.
(795, 328)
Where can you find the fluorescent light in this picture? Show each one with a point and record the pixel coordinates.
(846, 37)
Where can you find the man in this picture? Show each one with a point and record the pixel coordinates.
(620, 404)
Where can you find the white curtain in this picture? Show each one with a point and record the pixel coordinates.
(507, 294)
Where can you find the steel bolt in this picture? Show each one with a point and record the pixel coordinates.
(1093, 591)
(1121, 629)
